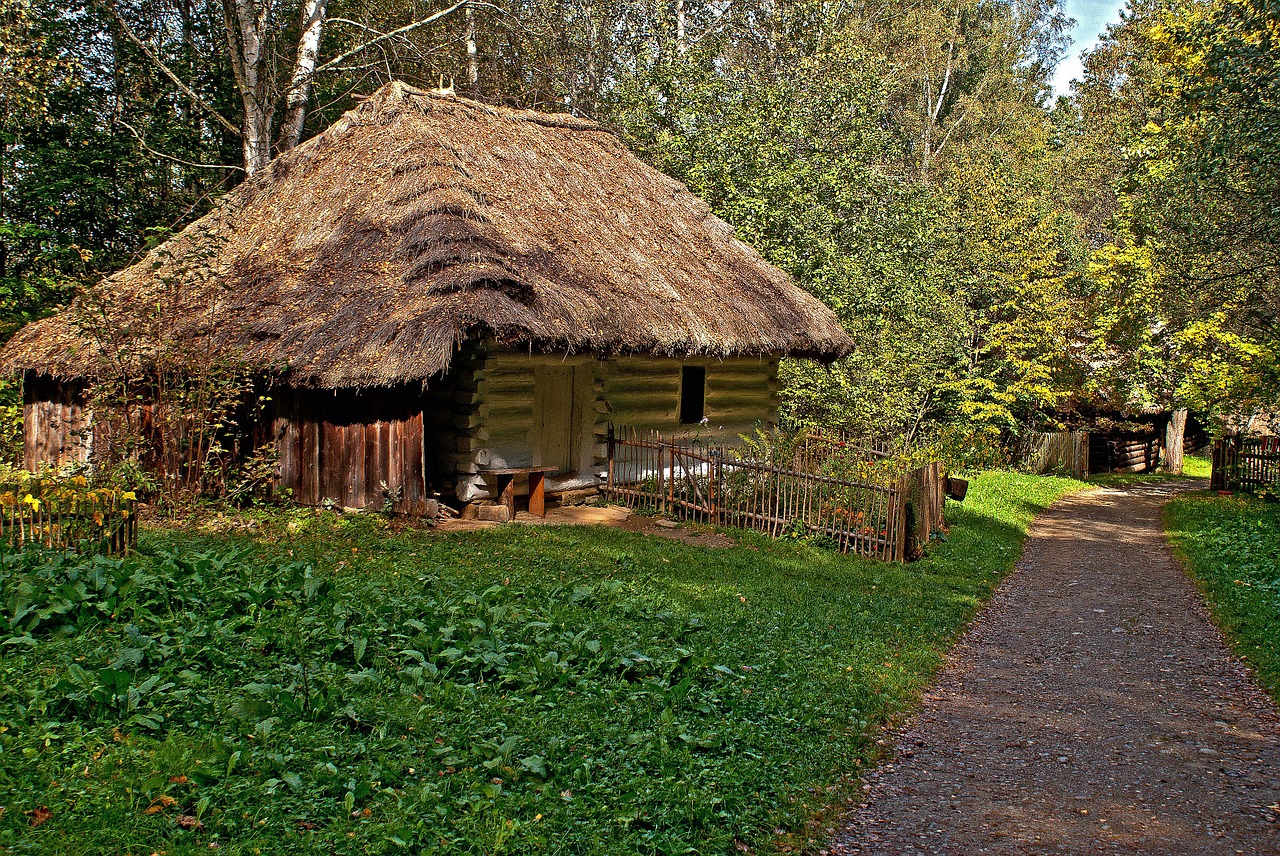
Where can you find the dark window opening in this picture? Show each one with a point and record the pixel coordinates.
(693, 394)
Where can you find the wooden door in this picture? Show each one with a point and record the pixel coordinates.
(557, 417)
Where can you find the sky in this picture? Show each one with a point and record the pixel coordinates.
(1092, 17)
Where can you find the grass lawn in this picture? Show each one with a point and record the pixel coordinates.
(1193, 467)
(326, 685)
(1232, 547)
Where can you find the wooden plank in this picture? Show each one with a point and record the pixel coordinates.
(354, 437)
(414, 463)
(537, 494)
(377, 470)
(332, 460)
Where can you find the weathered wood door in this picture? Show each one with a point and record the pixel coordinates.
(558, 416)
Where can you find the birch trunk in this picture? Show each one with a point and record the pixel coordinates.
(473, 54)
(1174, 433)
(312, 29)
(246, 25)
(682, 35)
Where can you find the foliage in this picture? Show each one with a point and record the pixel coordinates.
(341, 686)
(1178, 121)
(169, 404)
(1232, 548)
(63, 511)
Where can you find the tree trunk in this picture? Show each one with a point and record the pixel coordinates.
(682, 35)
(1173, 436)
(473, 54)
(246, 25)
(312, 27)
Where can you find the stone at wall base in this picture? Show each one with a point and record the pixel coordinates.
(494, 513)
(578, 496)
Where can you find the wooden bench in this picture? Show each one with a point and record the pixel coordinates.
(506, 481)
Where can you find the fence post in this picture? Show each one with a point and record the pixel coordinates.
(713, 486)
(1215, 473)
(662, 474)
(671, 480)
(611, 446)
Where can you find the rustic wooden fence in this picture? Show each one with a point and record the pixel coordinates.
(1055, 452)
(888, 519)
(67, 517)
(1245, 463)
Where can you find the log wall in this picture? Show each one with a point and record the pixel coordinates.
(503, 409)
(1124, 452)
(55, 422)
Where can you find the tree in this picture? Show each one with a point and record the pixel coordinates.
(1182, 100)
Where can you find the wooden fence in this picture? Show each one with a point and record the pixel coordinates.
(726, 487)
(1057, 452)
(1245, 463)
(61, 518)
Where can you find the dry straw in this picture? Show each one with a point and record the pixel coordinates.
(365, 256)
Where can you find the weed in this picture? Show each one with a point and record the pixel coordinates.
(1232, 548)
(337, 686)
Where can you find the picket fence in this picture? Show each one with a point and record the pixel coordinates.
(1246, 463)
(57, 516)
(726, 486)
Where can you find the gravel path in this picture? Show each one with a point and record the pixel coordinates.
(1092, 708)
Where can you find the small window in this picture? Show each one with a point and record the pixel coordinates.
(693, 394)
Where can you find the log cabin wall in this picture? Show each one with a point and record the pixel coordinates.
(521, 404)
(55, 422)
(528, 410)
(644, 393)
(343, 445)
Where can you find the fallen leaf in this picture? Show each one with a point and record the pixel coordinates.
(306, 824)
(40, 815)
(187, 821)
(159, 804)
(740, 845)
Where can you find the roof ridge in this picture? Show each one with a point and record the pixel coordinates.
(398, 92)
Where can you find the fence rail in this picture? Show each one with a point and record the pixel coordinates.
(725, 487)
(1245, 463)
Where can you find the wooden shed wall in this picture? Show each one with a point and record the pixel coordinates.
(55, 422)
(343, 445)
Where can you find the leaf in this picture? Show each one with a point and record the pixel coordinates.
(535, 764)
(40, 815)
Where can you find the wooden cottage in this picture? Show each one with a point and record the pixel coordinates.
(434, 289)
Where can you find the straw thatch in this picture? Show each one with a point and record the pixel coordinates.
(366, 255)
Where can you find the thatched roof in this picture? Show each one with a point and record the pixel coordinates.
(366, 255)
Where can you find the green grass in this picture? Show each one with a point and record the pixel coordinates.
(324, 685)
(1231, 545)
(1193, 466)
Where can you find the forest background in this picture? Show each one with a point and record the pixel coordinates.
(1004, 259)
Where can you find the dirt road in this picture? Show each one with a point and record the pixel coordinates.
(1092, 708)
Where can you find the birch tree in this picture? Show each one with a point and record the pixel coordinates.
(256, 33)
